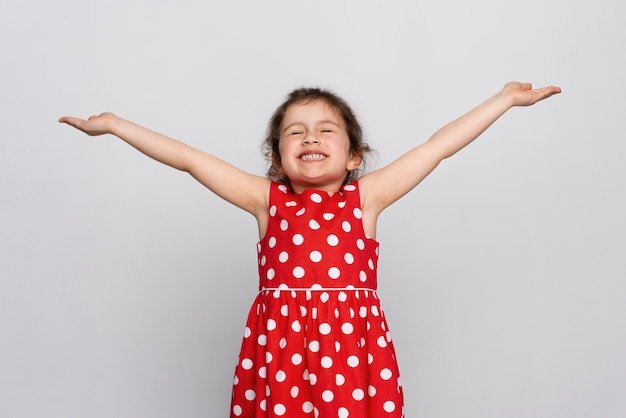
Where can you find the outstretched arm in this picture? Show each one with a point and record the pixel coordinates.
(383, 187)
(244, 190)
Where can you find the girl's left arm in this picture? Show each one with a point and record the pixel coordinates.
(382, 187)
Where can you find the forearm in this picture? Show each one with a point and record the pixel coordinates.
(153, 144)
(459, 133)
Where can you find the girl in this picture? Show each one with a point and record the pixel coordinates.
(316, 342)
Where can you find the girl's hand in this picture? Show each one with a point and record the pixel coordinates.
(95, 125)
(523, 94)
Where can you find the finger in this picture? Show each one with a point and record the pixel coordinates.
(70, 120)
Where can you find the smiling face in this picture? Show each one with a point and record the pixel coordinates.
(314, 147)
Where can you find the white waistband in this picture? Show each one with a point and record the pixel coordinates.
(314, 289)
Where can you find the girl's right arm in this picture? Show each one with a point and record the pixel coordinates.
(247, 191)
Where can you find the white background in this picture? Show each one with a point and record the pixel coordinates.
(124, 285)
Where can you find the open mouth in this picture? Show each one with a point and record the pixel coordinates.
(312, 157)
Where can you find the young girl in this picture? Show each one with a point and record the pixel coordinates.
(316, 342)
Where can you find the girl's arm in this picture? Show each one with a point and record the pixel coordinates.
(242, 189)
(381, 188)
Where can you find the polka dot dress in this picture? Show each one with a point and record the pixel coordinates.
(316, 343)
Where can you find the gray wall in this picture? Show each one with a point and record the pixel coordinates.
(124, 285)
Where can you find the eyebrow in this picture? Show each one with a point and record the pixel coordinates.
(321, 122)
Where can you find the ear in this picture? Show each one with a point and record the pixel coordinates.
(354, 162)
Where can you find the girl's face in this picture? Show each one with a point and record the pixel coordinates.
(314, 147)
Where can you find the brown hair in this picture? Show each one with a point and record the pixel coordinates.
(307, 95)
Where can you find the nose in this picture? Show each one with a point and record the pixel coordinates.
(311, 138)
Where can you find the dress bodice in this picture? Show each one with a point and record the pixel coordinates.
(316, 239)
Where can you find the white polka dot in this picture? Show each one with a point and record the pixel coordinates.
(389, 406)
(382, 342)
(326, 362)
(385, 374)
(313, 224)
(363, 276)
(280, 376)
(341, 205)
(328, 216)
(268, 357)
(247, 332)
(284, 310)
(279, 409)
(263, 372)
(271, 325)
(314, 346)
(370, 358)
(284, 225)
(339, 379)
(360, 244)
(324, 329)
(263, 405)
(237, 410)
(349, 187)
(263, 260)
(273, 210)
(337, 346)
(315, 256)
(294, 392)
(282, 343)
(250, 394)
(370, 264)
(302, 311)
(363, 311)
(296, 359)
(236, 381)
(298, 272)
(283, 257)
(283, 188)
(307, 407)
(347, 328)
(297, 239)
(332, 240)
(312, 378)
(353, 361)
(342, 297)
(316, 198)
(358, 394)
(348, 258)
(270, 274)
(328, 395)
(272, 242)
(345, 225)
(246, 364)
(301, 212)
(371, 391)
(291, 204)
(324, 297)
(262, 339)
(334, 273)
(295, 326)
(375, 310)
(343, 413)
(357, 213)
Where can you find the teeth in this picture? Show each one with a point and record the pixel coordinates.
(312, 157)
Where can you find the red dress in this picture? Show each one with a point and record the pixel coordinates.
(316, 342)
